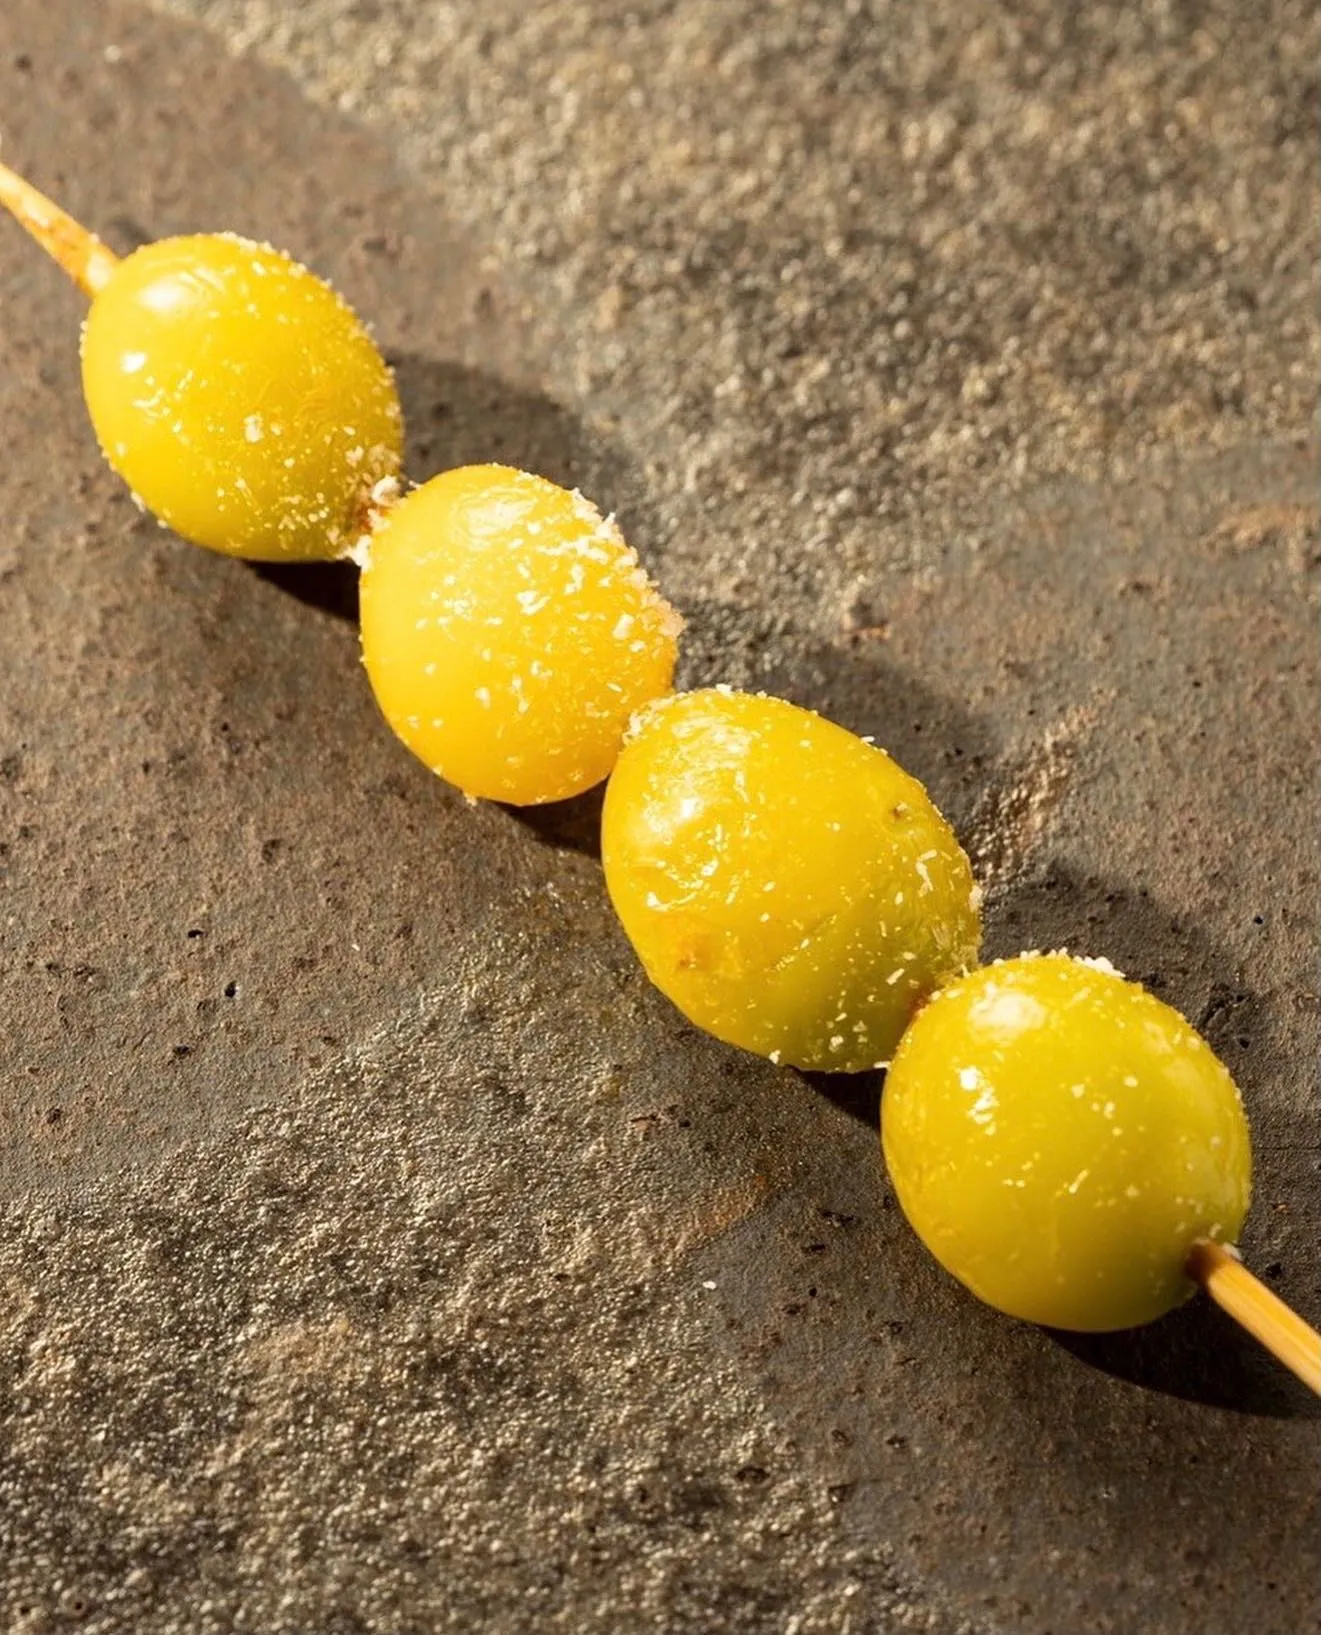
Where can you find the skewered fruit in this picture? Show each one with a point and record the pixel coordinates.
(1059, 1139)
(509, 633)
(784, 882)
(240, 398)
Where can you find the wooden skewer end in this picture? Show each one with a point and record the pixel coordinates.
(1250, 1303)
(78, 251)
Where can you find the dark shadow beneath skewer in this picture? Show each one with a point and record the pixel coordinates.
(1198, 1355)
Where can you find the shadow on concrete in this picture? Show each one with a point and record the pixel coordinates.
(858, 1094)
(572, 825)
(329, 587)
(1057, 907)
(1198, 1355)
(455, 415)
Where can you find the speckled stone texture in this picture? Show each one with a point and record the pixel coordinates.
(379, 1252)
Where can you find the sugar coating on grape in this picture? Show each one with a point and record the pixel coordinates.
(1059, 1138)
(240, 398)
(510, 633)
(785, 883)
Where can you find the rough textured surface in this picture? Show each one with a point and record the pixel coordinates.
(379, 1253)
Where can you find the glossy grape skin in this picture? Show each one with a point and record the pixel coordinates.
(240, 398)
(786, 884)
(509, 633)
(1058, 1139)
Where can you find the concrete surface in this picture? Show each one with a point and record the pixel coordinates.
(379, 1253)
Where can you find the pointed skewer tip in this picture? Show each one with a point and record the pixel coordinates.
(78, 251)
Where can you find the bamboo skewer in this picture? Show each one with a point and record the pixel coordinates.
(80, 253)
(1252, 1305)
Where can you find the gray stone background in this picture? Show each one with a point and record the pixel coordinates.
(379, 1253)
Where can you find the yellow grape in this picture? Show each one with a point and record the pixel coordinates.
(785, 883)
(1059, 1138)
(509, 633)
(240, 398)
